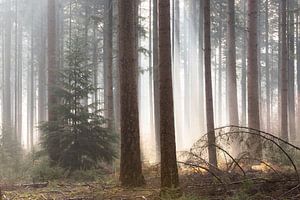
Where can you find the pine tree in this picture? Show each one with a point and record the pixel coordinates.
(77, 137)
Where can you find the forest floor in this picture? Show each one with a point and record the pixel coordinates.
(193, 185)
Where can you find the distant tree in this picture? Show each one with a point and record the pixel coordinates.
(231, 67)
(169, 171)
(52, 64)
(77, 138)
(108, 60)
(6, 105)
(156, 79)
(291, 70)
(253, 97)
(130, 166)
(212, 154)
(284, 73)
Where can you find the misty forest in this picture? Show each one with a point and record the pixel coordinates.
(149, 99)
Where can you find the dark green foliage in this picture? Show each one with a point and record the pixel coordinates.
(78, 139)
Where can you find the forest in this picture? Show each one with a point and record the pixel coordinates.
(149, 99)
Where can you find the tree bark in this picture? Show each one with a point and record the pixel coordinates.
(131, 166)
(169, 171)
(52, 68)
(208, 87)
(268, 71)
(291, 72)
(284, 74)
(6, 112)
(156, 79)
(253, 85)
(231, 73)
(108, 81)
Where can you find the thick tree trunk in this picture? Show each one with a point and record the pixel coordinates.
(169, 171)
(131, 166)
(208, 87)
(231, 68)
(284, 74)
(52, 68)
(253, 88)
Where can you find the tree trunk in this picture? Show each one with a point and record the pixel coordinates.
(208, 87)
(108, 81)
(284, 74)
(201, 64)
(231, 73)
(244, 70)
(169, 171)
(268, 71)
(298, 75)
(52, 68)
(131, 166)
(156, 79)
(253, 88)
(291, 73)
(6, 111)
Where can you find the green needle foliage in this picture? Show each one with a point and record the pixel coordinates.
(79, 139)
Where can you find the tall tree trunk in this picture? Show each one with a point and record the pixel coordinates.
(201, 64)
(151, 110)
(108, 81)
(30, 94)
(231, 73)
(212, 154)
(130, 166)
(169, 171)
(291, 72)
(18, 83)
(253, 88)
(284, 74)
(244, 70)
(42, 77)
(219, 105)
(156, 79)
(52, 68)
(6, 111)
(298, 74)
(268, 71)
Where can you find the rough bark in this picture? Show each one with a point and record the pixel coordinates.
(131, 166)
(244, 70)
(291, 73)
(268, 92)
(253, 85)
(208, 87)
(108, 81)
(169, 171)
(231, 73)
(52, 68)
(284, 74)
